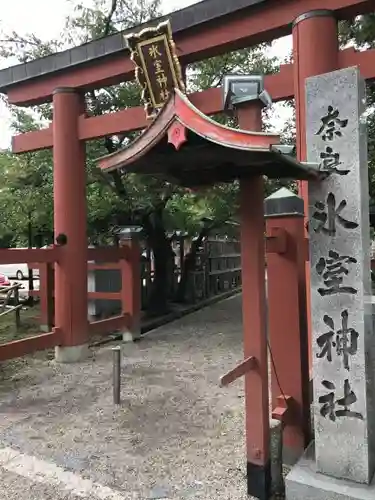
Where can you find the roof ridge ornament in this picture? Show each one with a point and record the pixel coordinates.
(157, 67)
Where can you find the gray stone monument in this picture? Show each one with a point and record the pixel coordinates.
(340, 464)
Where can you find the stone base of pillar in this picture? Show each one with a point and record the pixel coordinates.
(72, 354)
(305, 482)
(276, 452)
(130, 336)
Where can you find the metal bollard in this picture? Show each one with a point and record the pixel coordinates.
(116, 374)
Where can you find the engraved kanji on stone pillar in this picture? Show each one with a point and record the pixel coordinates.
(342, 335)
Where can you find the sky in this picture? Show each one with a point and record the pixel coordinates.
(46, 18)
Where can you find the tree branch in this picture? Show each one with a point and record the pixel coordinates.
(118, 184)
(108, 21)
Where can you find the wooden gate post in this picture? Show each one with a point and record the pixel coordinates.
(287, 321)
(254, 318)
(315, 51)
(131, 286)
(70, 219)
(46, 283)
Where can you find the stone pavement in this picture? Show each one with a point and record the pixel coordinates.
(176, 435)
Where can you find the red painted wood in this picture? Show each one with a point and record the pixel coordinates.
(287, 328)
(29, 345)
(277, 240)
(110, 265)
(108, 72)
(91, 295)
(284, 410)
(315, 51)
(267, 23)
(254, 304)
(365, 60)
(279, 85)
(235, 32)
(179, 108)
(107, 255)
(46, 293)
(239, 371)
(177, 135)
(70, 219)
(32, 256)
(104, 295)
(246, 137)
(32, 141)
(109, 325)
(131, 284)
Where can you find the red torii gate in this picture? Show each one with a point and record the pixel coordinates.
(203, 30)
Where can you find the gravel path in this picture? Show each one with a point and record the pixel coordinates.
(176, 435)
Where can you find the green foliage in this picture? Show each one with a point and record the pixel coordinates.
(210, 72)
(26, 196)
(360, 33)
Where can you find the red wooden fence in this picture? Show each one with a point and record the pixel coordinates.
(126, 258)
(17, 348)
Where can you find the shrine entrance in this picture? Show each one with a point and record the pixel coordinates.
(185, 147)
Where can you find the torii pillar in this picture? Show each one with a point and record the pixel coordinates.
(315, 51)
(254, 317)
(70, 220)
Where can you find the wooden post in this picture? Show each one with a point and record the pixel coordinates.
(315, 51)
(17, 307)
(287, 321)
(131, 287)
(70, 221)
(254, 319)
(46, 296)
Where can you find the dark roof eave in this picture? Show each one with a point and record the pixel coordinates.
(181, 20)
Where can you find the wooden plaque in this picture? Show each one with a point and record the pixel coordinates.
(158, 69)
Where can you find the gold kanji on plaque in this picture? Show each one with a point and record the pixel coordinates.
(158, 69)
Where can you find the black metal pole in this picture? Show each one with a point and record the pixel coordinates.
(116, 375)
(31, 271)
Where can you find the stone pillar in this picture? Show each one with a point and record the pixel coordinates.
(340, 277)
(254, 318)
(342, 337)
(287, 321)
(70, 220)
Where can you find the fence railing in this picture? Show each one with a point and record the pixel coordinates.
(10, 302)
(217, 270)
(123, 260)
(17, 348)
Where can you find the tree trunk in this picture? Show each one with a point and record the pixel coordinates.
(162, 251)
(158, 303)
(189, 265)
